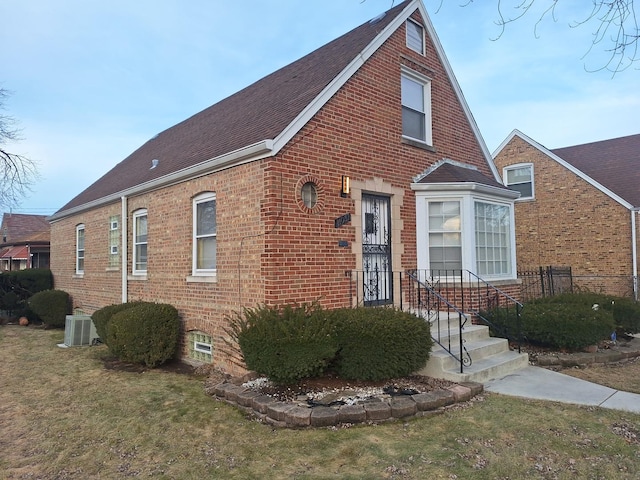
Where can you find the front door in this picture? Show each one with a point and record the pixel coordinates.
(376, 250)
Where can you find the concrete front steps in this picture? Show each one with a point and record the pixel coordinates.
(490, 356)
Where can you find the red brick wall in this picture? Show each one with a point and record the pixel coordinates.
(271, 249)
(570, 223)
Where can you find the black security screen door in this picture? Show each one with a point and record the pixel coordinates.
(376, 250)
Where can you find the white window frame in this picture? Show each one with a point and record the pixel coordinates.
(425, 83)
(80, 250)
(445, 231)
(202, 347)
(516, 166)
(197, 200)
(467, 196)
(497, 245)
(136, 243)
(410, 38)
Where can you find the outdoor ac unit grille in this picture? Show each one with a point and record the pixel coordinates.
(79, 330)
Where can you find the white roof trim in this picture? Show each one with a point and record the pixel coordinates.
(501, 192)
(565, 164)
(305, 116)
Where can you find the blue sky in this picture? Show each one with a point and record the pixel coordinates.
(93, 80)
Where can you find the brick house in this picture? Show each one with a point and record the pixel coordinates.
(325, 180)
(579, 208)
(24, 241)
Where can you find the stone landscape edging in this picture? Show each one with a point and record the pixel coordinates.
(378, 409)
(585, 358)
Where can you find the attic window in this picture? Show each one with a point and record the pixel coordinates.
(520, 178)
(415, 37)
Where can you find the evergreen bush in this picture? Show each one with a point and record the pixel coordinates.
(286, 343)
(102, 317)
(380, 343)
(145, 333)
(51, 306)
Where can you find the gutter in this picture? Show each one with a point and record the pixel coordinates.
(124, 221)
(634, 253)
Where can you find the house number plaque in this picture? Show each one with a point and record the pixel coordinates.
(340, 221)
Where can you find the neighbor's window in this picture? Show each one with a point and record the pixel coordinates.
(309, 194)
(445, 236)
(415, 37)
(493, 238)
(520, 178)
(80, 249)
(416, 107)
(114, 240)
(204, 234)
(140, 242)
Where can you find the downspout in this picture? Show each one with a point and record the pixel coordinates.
(124, 221)
(634, 253)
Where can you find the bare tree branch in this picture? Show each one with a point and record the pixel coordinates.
(617, 29)
(17, 173)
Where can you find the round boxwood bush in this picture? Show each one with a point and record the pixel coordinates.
(102, 317)
(380, 343)
(145, 333)
(286, 343)
(52, 306)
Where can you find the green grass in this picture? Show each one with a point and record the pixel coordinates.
(62, 415)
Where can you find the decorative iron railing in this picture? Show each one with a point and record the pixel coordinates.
(446, 319)
(448, 299)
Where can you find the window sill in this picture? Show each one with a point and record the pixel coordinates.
(137, 277)
(418, 144)
(78, 275)
(112, 269)
(202, 279)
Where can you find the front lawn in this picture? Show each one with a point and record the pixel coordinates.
(64, 416)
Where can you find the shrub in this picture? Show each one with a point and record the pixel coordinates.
(145, 333)
(626, 312)
(52, 306)
(102, 317)
(566, 325)
(380, 343)
(286, 343)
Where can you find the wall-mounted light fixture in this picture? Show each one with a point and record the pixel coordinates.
(346, 186)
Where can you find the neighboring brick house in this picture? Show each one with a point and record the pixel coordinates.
(579, 208)
(316, 182)
(25, 241)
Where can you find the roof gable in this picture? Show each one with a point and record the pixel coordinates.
(259, 120)
(612, 166)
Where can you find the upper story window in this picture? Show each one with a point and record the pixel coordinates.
(416, 107)
(204, 234)
(520, 178)
(415, 36)
(80, 249)
(140, 242)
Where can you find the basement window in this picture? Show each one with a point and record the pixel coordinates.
(201, 346)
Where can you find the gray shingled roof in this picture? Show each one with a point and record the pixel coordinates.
(615, 164)
(448, 172)
(259, 112)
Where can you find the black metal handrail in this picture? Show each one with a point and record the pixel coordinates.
(425, 301)
(489, 303)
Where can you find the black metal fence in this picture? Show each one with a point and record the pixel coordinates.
(553, 280)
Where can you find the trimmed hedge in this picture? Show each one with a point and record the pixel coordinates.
(145, 333)
(52, 306)
(285, 344)
(102, 317)
(290, 343)
(380, 343)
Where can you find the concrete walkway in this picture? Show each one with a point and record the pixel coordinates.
(542, 384)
